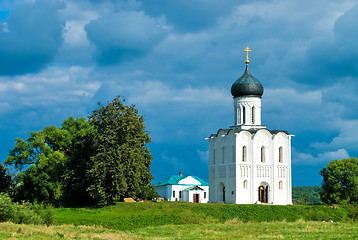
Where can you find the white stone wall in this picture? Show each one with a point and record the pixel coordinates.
(243, 178)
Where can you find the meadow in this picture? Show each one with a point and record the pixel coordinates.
(181, 220)
(232, 229)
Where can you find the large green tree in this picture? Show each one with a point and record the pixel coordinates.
(340, 181)
(121, 166)
(42, 156)
(75, 181)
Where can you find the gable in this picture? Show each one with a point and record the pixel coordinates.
(189, 181)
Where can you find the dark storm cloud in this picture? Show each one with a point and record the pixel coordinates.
(329, 60)
(124, 36)
(30, 38)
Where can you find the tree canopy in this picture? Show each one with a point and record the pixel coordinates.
(100, 160)
(121, 166)
(340, 181)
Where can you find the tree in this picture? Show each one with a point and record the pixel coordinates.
(78, 161)
(35, 185)
(5, 179)
(340, 181)
(42, 155)
(121, 166)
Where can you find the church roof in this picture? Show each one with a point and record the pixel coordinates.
(192, 188)
(183, 180)
(247, 85)
(251, 130)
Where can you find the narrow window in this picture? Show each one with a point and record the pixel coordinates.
(214, 156)
(262, 154)
(179, 194)
(204, 194)
(280, 185)
(280, 155)
(253, 115)
(223, 155)
(232, 192)
(173, 194)
(243, 115)
(244, 153)
(233, 154)
(245, 184)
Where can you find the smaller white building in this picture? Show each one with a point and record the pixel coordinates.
(184, 188)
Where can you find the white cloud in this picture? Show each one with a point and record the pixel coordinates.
(321, 158)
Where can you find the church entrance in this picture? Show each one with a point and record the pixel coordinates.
(221, 193)
(224, 194)
(195, 198)
(263, 194)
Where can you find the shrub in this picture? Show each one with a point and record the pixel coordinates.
(26, 212)
(6, 208)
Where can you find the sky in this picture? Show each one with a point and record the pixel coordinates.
(176, 61)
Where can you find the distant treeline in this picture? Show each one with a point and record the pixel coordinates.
(306, 195)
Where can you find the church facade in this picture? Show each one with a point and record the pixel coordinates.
(248, 163)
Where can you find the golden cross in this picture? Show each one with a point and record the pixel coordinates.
(247, 50)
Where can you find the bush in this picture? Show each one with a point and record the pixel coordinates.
(27, 213)
(6, 208)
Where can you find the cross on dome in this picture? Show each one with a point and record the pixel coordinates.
(247, 50)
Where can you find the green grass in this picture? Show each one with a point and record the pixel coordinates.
(180, 220)
(232, 229)
(131, 216)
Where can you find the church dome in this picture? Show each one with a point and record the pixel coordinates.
(247, 85)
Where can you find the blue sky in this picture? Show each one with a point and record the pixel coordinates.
(176, 61)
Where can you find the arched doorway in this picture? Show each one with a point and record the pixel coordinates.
(263, 194)
(221, 192)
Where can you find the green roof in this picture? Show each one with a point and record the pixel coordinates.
(175, 179)
(192, 188)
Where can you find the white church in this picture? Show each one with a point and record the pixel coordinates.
(249, 164)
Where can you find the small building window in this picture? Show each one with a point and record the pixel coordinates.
(262, 154)
(232, 192)
(244, 154)
(280, 157)
(204, 194)
(173, 194)
(214, 156)
(245, 184)
(253, 115)
(280, 185)
(179, 194)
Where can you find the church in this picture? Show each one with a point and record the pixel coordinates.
(249, 164)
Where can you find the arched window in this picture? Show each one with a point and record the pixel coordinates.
(253, 115)
(214, 156)
(280, 157)
(280, 185)
(245, 184)
(243, 115)
(244, 154)
(262, 154)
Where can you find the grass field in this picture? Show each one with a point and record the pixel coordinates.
(131, 216)
(180, 220)
(232, 229)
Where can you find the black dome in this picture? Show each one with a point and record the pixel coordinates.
(247, 85)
